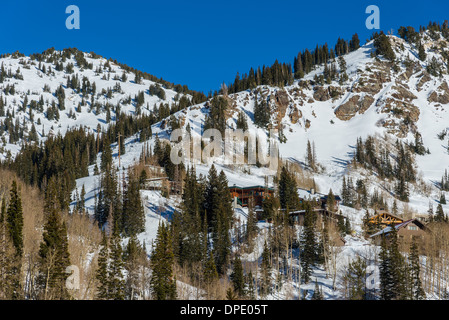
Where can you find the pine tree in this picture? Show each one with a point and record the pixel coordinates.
(317, 294)
(345, 193)
(102, 270)
(288, 194)
(298, 68)
(261, 113)
(14, 219)
(9, 280)
(308, 244)
(241, 122)
(442, 198)
(330, 204)
(311, 161)
(14, 237)
(421, 52)
(237, 277)
(392, 269)
(417, 291)
(265, 285)
(116, 282)
(251, 225)
(163, 284)
(210, 273)
(354, 44)
(385, 272)
(54, 257)
(354, 278)
(133, 212)
(439, 214)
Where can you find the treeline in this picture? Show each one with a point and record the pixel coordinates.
(58, 57)
(283, 74)
(63, 158)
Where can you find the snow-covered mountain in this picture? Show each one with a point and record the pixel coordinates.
(389, 100)
(91, 88)
(380, 98)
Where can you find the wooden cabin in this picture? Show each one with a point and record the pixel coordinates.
(406, 231)
(298, 216)
(337, 201)
(385, 219)
(242, 194)
(155, 183)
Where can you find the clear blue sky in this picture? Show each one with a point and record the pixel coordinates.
(201, 43)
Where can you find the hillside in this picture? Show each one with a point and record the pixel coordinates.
(371, 102)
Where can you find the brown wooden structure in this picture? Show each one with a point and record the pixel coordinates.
(243, 194)
(406, 232)
(385, 219)
(323, 200)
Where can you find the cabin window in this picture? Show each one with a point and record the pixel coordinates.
(412, 227)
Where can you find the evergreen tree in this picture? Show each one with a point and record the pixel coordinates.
(102, 270)
(298, 68)
(421, 52)
(439, 214)
(210, 271)
(317, 294)
(116, 282)
(417, 291)
(133, 212)
(251, 225)
(9, 264)
(288, 194)
(216, 118)
(261, 113)
(308, 244)
(163, 284)
(385, 272)
(237, 277)
(442, 198)
(311, 161)
(354, 278)
(392, 269)
(330, 204)
(241, 122)
(54, 256)
(354, 44)
(383, 47)
(14, 219)
(265, 284)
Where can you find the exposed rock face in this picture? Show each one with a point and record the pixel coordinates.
(441, 95)
(295, 115)
(281, 101)
(425, 78)
(402, 93)
(373, 78)
(321, 94)
(401, 109)
(355, 104)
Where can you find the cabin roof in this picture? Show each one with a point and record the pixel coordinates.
(251, 187)
(386, 213)
(399, 226)
(336, 197)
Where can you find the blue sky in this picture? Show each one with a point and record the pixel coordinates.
(201, 43)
